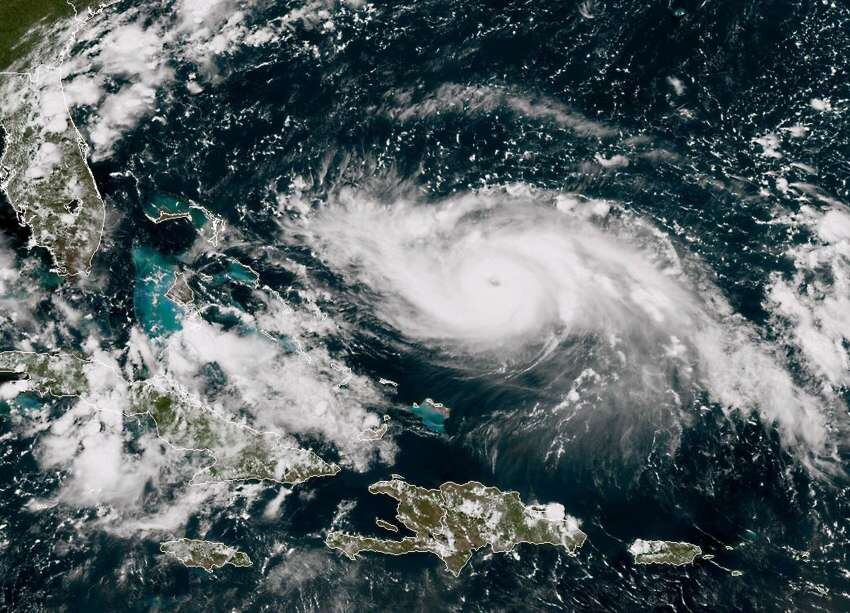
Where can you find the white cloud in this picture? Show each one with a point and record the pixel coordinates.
(486, 98)
(130, 50)
(84, 90)
(143, 488)
(820, 104)
(615, 161)
(816, 298)
(46, 159)
(53, 111)
(284, 392)
(10, 390)
(88, 441)
(137, 47)
(769, 144)
(119, 112)
(677, 85)
(20, 295)
(120, 47)
(498, 275)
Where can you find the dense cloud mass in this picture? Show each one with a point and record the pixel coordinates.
(516, 276)
(596, 254)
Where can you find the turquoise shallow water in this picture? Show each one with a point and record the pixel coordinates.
(25, 402)
(163, 203)
(441, 98)
(431, 418)
(240, 272)
(154, 275)
(234, 272)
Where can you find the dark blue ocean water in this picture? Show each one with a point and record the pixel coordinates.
(335, 119)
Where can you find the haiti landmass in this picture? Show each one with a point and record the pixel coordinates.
(456, 520)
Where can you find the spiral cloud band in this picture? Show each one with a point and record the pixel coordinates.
(501, 275)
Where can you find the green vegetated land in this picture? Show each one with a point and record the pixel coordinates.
(17, 18)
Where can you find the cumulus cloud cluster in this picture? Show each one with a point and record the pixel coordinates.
(815, 300)
(122, 47)
(272, 373)
(124, 58)
(114, 460)
(302, 392)
(455, 97)
(88, 442)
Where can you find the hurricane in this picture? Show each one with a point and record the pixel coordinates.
(345, 305)
(577, 293)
